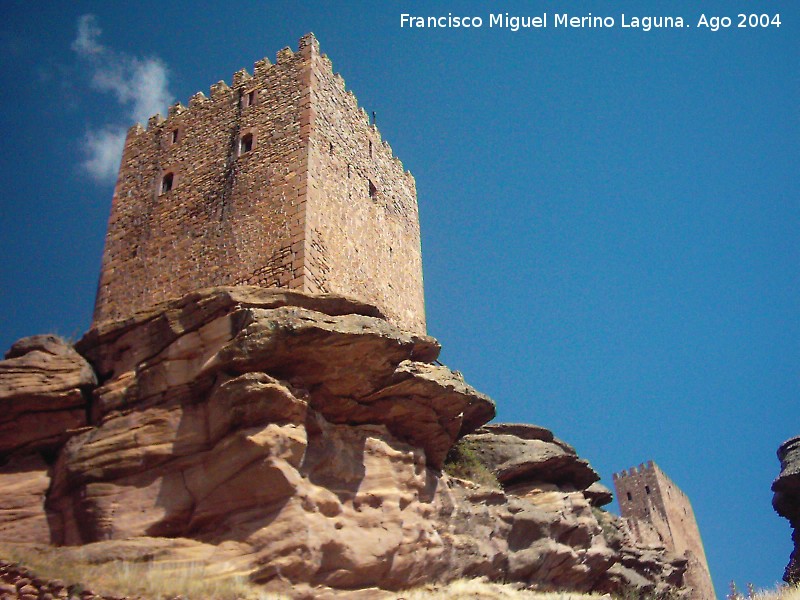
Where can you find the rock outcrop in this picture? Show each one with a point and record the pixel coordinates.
(43, 387)
(559, 535)
(300, 440)
(786, 500)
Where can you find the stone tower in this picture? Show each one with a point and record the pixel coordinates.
(658, 512)
(277, 180)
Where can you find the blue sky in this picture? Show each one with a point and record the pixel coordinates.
(610, 217)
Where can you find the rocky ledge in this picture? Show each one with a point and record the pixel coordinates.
(299, 440)
(786, 500)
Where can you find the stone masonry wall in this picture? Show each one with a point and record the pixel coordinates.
(231, 216)
(277, 181)
(363, 221)
(646, 495)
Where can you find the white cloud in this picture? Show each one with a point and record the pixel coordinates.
(139, 85)
(103, 153)
(86, 43)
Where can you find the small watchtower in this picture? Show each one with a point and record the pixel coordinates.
(659, 513)
(278, 180)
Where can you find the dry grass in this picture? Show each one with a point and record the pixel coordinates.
(149, 580)
(476, 589)
(780, 593)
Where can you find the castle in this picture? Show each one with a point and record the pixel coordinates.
(659, 513)
(278, 180)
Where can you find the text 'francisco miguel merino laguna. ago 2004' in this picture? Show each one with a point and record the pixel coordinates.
(589, 21)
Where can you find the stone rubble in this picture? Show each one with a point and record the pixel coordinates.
(20, 583)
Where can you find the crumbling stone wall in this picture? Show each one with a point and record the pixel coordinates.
(277, 180)
(658, 511)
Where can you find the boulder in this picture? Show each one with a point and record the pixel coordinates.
(598, 494)
(44, 386)
(519, 454)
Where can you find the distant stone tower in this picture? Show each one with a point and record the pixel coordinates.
(658, 512)
(278, 180)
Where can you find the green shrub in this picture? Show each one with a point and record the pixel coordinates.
(463, 461)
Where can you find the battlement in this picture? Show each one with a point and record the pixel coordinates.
(261, 79)
(649, 468)
(633, 471)
(278, 179)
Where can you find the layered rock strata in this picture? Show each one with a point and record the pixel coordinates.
(786, 500)
(300, 440)
(44, 386)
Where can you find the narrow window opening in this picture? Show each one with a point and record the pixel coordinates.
(174, 136)
(370, 148)
(349, 171)
(249, 99)
(647, 489)
(166, 183)
(629, 496)
(330, 148)
(373, 191)
(246, 143)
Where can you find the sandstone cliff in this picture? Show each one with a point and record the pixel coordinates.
(786, 500)
(300, 440)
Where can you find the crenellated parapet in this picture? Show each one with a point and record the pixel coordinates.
(648, 471)
(261, 79)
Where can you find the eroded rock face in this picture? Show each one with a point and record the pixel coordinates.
(598, 494)
(786, 500)
(24, 481)
(300, 440)
(43, 387)
(216, 406)
(519, 453)
(350, 366)
(558, 536)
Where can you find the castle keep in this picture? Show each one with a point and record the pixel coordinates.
(277, 180)
(659, 513)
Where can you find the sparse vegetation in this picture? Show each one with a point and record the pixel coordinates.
(478, 589)
(463, 461)
(636, 594)
(610, 533)
(148, 580)
(784, 592)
